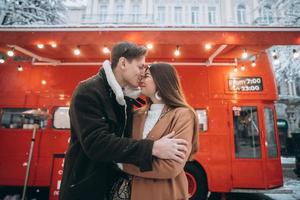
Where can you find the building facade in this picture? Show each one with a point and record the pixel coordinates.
(189, 12)
(169, 12)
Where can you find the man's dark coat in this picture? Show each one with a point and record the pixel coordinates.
(97, 143)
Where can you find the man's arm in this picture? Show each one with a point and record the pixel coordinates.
(99, 143)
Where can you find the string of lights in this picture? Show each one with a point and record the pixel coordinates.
(245, 56)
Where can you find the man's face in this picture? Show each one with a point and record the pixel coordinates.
(133, 71)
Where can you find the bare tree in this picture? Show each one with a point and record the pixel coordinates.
(33, 12)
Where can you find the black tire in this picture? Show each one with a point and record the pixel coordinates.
(200, 180)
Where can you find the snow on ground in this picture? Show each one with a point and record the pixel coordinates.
(291, 187)
(291, 190)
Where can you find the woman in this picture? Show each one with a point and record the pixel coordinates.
(166, 111)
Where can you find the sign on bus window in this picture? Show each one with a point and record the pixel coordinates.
(202, 117)
(270, 133)
(246, 132)
(22, 118)
(245, 84)
(61, 119)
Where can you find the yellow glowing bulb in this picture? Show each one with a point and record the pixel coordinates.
(106, 50)
(20, 68)
(10, 53)
(208, 46)
(244, 54)
(53, 45)
(149, 46)
(77, 51)
(40, 46)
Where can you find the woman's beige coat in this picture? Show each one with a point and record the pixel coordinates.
(167, 180)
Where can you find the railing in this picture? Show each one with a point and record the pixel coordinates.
(118, 19)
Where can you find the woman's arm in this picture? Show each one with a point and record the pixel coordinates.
(165, 169)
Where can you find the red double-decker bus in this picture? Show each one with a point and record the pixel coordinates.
(225, 72)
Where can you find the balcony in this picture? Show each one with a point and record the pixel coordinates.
(117, 19)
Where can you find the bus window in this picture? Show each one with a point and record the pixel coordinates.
(270, 133)
(246, 132)
(202, 117)
(61, 119)
(20, 118)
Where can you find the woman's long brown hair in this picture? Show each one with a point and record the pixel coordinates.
(169, 88)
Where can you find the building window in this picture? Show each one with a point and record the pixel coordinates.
(266, 15)
(212, 15)
(161, 14)
(279, 89)
(297, 86)
(195, 15)
(178, 15)
(61, 119)
(119, 13)
(103, 13)
(135, 13)
(241, 14)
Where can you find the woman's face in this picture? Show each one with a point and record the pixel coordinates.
(147, 85)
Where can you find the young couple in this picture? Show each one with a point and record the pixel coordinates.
(118, 153)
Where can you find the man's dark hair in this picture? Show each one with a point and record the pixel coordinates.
(127, 50)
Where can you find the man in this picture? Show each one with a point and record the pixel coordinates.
(101, 129)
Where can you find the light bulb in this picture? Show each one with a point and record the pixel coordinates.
(235, 69)
(245, 54)
(20, 68)
(207, 46)
(40, 46)
(177, 52)
(2, 60)
(106, 50)
(149, 46)
(276, 60)
(295, 53)
(43, 82)
(53, 45)
(11, 53)
(77, 51)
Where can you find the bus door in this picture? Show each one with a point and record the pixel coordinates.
(273, 164)
(247, 154)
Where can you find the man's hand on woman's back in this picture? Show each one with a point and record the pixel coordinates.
(168, 147)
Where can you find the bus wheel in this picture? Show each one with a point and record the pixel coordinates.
(197, 182)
